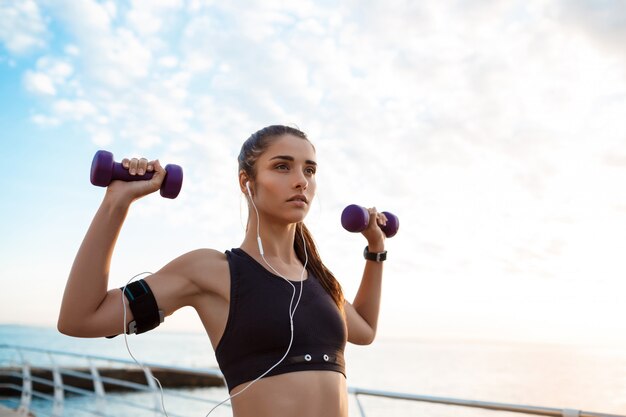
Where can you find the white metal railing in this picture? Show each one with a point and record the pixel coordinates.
(21, 369)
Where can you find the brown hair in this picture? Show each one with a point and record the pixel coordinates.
(252, 148)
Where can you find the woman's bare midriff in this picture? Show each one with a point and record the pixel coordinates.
(295, 394)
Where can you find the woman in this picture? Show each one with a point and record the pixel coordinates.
(245, 297)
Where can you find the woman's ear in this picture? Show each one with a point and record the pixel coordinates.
(244, 183)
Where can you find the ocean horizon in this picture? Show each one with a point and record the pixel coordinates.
(589, 378)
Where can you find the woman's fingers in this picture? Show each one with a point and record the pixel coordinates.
(141, 166)
(138, 166)
(373, 233)
(377, 217)
(382, 219)
(159, 171)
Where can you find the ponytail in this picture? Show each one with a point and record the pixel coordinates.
(315, 264)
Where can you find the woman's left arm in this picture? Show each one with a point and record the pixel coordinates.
(362, 314)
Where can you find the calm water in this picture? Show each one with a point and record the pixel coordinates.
(581, 377)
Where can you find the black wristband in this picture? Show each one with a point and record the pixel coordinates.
(374, 256)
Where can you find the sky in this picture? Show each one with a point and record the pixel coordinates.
(494, 130)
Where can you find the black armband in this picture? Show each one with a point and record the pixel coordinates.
(144, 307)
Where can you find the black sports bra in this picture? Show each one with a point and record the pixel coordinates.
(257, 332)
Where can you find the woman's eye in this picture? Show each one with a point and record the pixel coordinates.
(282, 167)
(310, 171)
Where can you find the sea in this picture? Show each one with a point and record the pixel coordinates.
(573, 376)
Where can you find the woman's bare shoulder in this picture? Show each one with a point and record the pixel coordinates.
(199, 261)
(193, 274)
(205, 255)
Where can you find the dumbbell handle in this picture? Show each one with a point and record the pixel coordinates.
(355, 218)
(123, 174)
(104, 170)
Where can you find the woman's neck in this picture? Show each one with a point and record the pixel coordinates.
(277, 241)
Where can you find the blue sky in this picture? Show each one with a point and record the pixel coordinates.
(494, 130)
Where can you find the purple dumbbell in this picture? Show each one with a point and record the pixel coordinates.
(356, 218)
(104, 170)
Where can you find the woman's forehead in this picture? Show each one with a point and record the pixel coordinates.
(289, 145)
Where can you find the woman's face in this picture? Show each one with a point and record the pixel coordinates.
(285, 185)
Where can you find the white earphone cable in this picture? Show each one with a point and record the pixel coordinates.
(143, 368)
(292, 312)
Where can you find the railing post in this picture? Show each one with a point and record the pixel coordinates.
(98, 387)
(358, 403)
(27, 387)
(153, 386)
(57, 406)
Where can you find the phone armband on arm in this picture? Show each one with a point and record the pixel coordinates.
(142, 303)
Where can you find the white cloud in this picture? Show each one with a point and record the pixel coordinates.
(147, 141)
(144, 22)
(102, 138)
(23, 28)
(86, 20)
(602, 21)
(74, 110)
(110, 54)
(51, 75)
(45, 121)
(57, 69)
(111, 8)
(169, 61)
(72, 50)
(149, 17)
(39, 83)
(119, 60)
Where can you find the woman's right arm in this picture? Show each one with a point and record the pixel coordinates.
(88, 309)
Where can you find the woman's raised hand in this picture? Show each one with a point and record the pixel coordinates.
(129, 191)
(373, 232)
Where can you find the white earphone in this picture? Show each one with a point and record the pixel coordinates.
(258, 236)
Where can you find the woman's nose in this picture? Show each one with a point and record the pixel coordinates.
(301, 182)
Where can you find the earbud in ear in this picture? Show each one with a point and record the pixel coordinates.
(248, 188)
